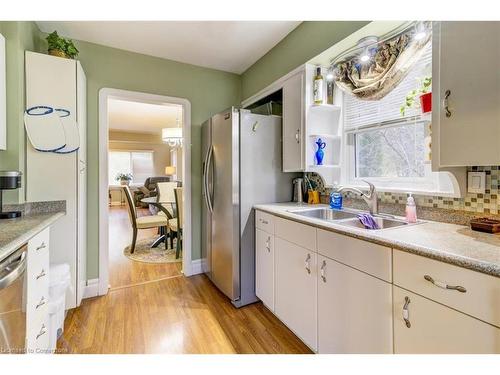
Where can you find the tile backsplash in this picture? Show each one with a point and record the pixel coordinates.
(488, 203)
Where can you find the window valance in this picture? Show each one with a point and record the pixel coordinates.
(388, 63)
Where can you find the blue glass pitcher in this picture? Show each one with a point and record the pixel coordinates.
(320, 154)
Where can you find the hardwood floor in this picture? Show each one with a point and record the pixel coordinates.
(155, 309)
(123, 271)
(177, 315)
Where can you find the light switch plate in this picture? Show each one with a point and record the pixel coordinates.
(476, 182)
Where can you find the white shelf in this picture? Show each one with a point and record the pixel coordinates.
(325, 166)
(326, 107)
(328, 136)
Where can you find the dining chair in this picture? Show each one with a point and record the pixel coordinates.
(175, 225)
(142, 222)
(166, 197)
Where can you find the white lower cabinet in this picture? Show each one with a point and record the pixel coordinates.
(436, 329)
(295, 292)
(264, 267)
(354, 310)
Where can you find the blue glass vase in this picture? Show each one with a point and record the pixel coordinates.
(320, 154)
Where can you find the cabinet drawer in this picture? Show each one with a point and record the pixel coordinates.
(299, 234)
(480, 298)
(37, 278)
(365, 256)
(264, 221)
(37, 333)
(437, 329)
(39, 245)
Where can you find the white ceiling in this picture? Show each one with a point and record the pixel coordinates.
(137, 117)
(232, 46)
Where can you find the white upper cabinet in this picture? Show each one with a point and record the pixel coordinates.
(466, 93)
(293, 123)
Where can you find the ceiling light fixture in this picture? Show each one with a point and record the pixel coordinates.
(367, 44)
(172, 136)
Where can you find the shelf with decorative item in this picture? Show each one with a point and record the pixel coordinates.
(325, 136)
(325, 107)
(324, 166)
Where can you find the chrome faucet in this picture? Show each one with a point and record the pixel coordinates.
(370, 198)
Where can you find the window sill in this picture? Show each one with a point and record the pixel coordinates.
(402, 190)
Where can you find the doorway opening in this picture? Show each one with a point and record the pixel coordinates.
(144, 188)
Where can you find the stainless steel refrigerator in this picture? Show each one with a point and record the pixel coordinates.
(242, 161)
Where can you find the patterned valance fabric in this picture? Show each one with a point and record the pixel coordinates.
(389, 62)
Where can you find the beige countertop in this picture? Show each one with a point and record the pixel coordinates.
(14, 233)
(450, 243)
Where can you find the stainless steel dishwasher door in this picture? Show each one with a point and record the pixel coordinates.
(13, 303)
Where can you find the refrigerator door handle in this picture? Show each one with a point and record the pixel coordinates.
(208, 198)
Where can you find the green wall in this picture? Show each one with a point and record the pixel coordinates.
(19, 36)
(209, 91)
(309, 39)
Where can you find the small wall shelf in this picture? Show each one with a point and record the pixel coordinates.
(324, 166)
(326, 136)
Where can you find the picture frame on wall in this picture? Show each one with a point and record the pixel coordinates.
(3, 95)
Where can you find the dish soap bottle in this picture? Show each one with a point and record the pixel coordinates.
(318, 87)
(411, 210)
(335, 198)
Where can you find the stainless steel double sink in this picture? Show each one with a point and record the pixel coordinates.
(348, 218)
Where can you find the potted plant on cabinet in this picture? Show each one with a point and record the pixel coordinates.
(61, 47)
(124, 178)
(423, 93)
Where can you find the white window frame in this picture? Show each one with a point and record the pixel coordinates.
(435, 183)
(133, 183)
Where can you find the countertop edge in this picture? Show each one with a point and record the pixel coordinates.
(15, 244)
(442, 256)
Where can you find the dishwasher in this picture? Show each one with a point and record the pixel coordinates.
(13, 303)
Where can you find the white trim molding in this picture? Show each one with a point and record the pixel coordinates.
(91, 289)
(104, 95)
(196, 267)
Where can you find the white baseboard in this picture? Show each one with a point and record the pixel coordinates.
(196, 267)
(92, 288)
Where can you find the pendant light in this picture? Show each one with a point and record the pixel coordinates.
(172, 136)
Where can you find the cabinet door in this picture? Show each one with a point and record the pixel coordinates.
(264, 267)
(354, 310)
(293, 116)
(437, 329)
(467, 55)
(295, 298)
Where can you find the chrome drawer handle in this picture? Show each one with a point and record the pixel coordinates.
(308, 263)
(41, 303)
(297, 136)
(42, 246)
(268, 244)
(42, 332)
(264, 221)
(406, 312)
(41, 274)
(323, 267)
(442, 285)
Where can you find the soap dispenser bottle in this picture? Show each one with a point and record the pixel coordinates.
(411, 209)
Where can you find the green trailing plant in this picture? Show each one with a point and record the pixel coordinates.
(67, 46)
(123, 177)
(410, 100)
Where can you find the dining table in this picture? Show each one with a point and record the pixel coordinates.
(163, 207)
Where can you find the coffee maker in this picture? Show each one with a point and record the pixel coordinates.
(9, 180)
